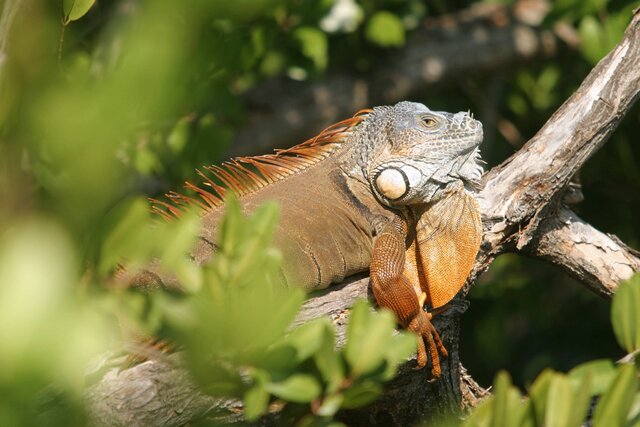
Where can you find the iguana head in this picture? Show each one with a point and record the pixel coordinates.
(412, 154)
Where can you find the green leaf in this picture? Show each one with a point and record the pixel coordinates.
(581, 402)
(538, 396)
(275, 323)
(601, 372)
(360, 394)
(179, 135)
(368, 337)
(330, 405)
(625, 314)
(279, 359)
(75, 9)
(251, 244)
(559, 402)
(222, 381)
(591, 39)
(329, 361)
(308, 338)
(119, 243)
(256, 398)
(230, 227)
(507, 408)
(385, 29)
(272, 63)
(400, 348)
(634, 412)
(481, 415)
(613, 408)
(567, 404)
(299, 388)
(314, 45)
(517, 104)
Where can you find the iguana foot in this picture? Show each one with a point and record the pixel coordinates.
(421, 325)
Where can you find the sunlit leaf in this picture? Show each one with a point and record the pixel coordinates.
(275, 325)
(581, 402)
(256, 398)
(179, 135)
(559, 402)
(369, 334)
(400, 348)
(507, 407)
(299, 388)
(538, 394)
(48, 334)
(613, 407)
(230, 226)
(567, 405)
(308, 338)
(625, 314)
(313, 44)
(329, 361)
(601, 372)
(385, 29)
(75, 9)
(634, 412)
(119, 243)
(481, 414)
(330, 405)
(591, 39)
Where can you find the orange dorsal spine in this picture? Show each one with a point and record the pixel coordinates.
(246, 175)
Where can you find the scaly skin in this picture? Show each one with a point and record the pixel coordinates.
(394, 196)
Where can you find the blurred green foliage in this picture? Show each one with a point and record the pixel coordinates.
(101, 102)
(565, 400)
(50, 329)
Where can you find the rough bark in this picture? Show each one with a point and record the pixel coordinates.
(599, 261)
(527, 188)
(522, 212)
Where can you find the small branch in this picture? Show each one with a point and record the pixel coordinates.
(598, 260)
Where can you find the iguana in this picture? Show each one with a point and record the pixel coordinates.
(390, 190)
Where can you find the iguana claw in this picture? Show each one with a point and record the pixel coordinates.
(421, 325)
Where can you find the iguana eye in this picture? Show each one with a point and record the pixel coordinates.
(430, 122)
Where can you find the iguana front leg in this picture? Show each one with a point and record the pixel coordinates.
(391, 273)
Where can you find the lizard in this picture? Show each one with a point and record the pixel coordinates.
(389, 190)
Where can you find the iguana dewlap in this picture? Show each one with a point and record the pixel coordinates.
(389, 190)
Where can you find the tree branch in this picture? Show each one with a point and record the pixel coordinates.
(518, 194)
(519, 204)
(599, 261)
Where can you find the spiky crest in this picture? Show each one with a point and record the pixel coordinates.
(246, 175)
